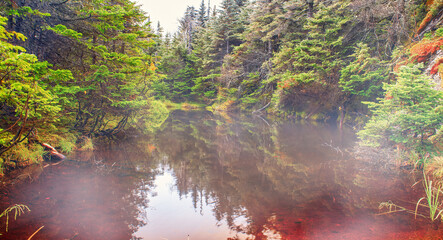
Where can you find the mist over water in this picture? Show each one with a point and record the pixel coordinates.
(203, 176)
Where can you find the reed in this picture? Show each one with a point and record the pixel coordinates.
(433, 202)
(432, 198)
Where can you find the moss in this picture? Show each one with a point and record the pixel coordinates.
(25, 154)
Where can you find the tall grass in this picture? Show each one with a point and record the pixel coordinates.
(434, 202)
(432, 198)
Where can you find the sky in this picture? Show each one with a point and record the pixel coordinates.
(169, 11)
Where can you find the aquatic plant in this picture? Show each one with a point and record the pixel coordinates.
(393, 208)
(18, 209)
(433, 191)
(37, 232)
(432, 198)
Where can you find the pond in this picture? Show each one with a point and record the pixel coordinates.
(203, 176)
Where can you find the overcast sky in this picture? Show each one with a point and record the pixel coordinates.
(169, 11)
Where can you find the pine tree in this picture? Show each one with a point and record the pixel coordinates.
(241, 3)
(410, 113)
(160, 30)
(228, 25)
(312, 64)
(365, 75)
(202, 15)
(187, 27)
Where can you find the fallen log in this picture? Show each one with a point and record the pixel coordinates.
(55, 155)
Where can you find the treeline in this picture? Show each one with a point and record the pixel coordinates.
(312, 60)
(71, 68)
(95, 67)
(300, 55)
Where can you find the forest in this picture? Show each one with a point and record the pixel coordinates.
(77, 72)
(71, 71)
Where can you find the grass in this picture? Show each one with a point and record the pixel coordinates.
(26, 154)
(432, 198)
(434, 203)
(435, 167)
(18, 209)
(87, 144)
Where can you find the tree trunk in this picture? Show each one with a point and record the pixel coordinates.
(94, 58)
(310, 8)
(10, 22)
(227, 46)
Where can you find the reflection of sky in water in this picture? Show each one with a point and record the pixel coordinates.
(173, 217)
(198, 181)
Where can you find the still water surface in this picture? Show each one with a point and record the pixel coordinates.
(209, 177)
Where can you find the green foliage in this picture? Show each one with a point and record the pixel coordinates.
(307, 68)
(205, 86)
(30, 95)
(410, 113)
(439, 32)
(96, 79)
(67, 143)
(64, 31)
(25, 154)
(26, 11)
(364, 75)
(116, 72)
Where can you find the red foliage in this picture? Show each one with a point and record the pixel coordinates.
(432, 7)
(388, 96)
(286, 83)
(429, 3)
(425, 22)
(434, 69)
(423, 50)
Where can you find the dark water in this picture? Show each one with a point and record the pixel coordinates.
(207, 177)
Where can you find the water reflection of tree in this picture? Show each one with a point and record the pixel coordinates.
(282, 178)
(224, 164)
(129, 166)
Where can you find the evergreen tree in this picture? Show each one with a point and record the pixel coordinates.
(31, 95)
(187, 27)
(410, 114)
(241, 3)
(308, 69)
(202, 15)
(228, 26)
(365, 75)
(160, 30)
